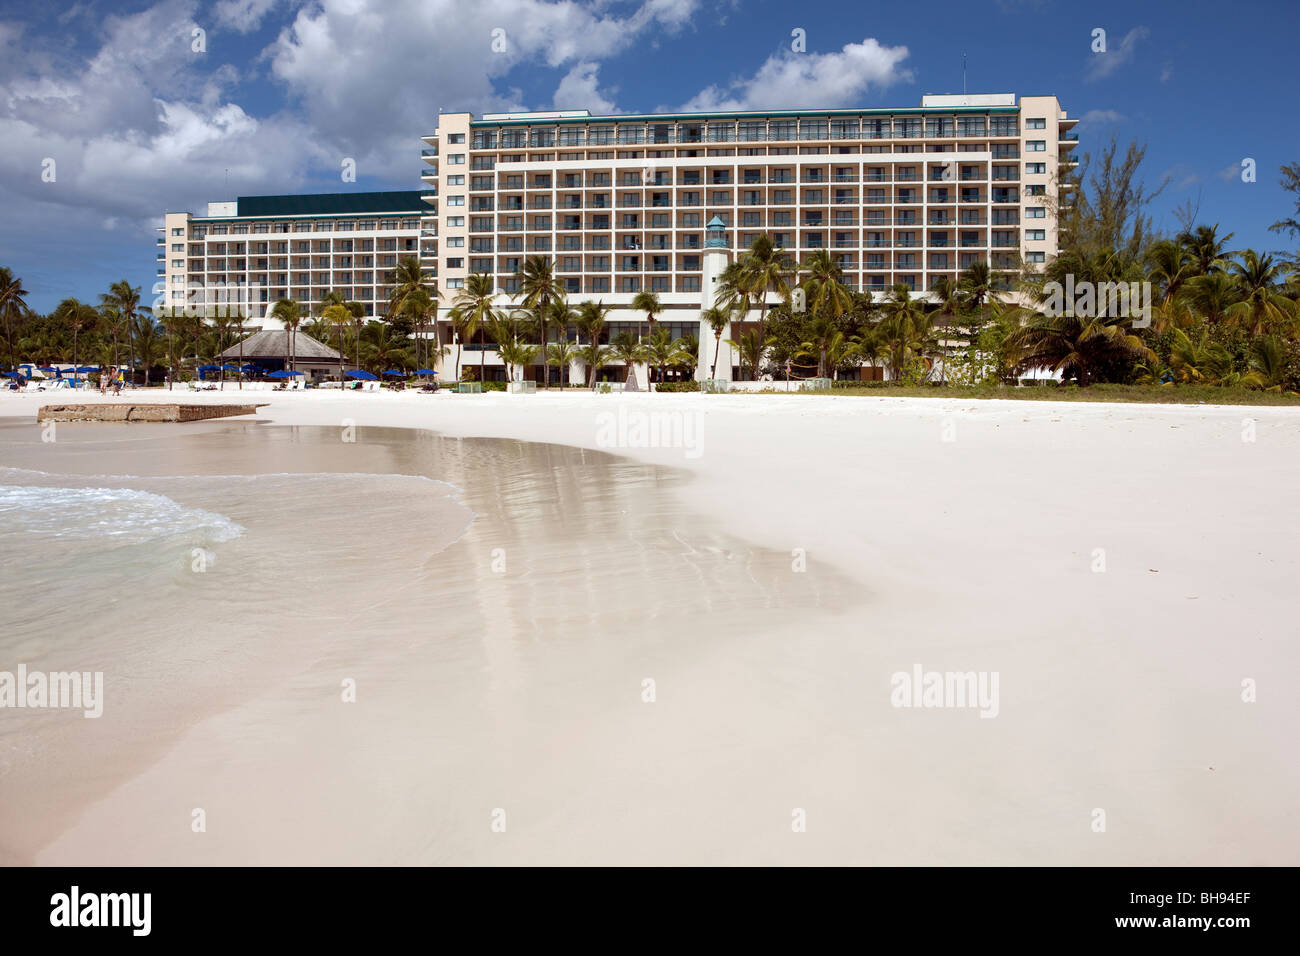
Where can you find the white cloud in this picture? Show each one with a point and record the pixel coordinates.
(580, 90)
(794, 80)
(1100, 118)
(244, 16)
(1102, 65)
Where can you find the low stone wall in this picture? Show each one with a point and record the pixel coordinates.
(125, 412)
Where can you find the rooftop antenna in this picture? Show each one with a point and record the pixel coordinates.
(963, 74)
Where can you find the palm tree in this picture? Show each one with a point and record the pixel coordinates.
(1200, 360)
(1213, 294)
(1268, 363)
(591, 320)
(464, 325)
(290, 315)
(648, 302)
(825, 294)
(13, 305)
(978, 285)
(475, 301)
(561, 354)
(539, 288)
(950, 299)
(77, 316)
(823, 330)
(337, 315)
(1076, 346)
(628, 349)
(764, 268)
(595, 357)
(126, 299)
(112, 320)
(1263, 304)
(905, 327)
(688, 354)
(413, 296)
(661, 351)
(1169, 265)
(717, 319)
(1208, 252)
(148, 343)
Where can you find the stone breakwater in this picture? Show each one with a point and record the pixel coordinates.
(126, 412)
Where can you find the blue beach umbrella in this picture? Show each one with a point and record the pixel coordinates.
(393, 371)
(209, 368)
(284, 374)
(425, 371)
(363, 375)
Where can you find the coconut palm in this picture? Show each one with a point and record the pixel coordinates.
(648, 302)
(595, 357)
(337, 316)
(824, 293)
(949, 298)
(717, 319)
(1263, 304)
(978, 285)
(661, 351)
(412, 296)
(1169, 264)
(289, 313)
(77, 317)
(1268, 363)
(822, 331)
(149, 344)
(765, 268)
(1198, 360)
(749, 349)
(629, 349)
(1079, 347)
(1212, 295)
(539, 287)
(561, 354)
(1209, 254)
(591, 321)
(422, 308)
(905, 328)
(688, 353)
(126, 299)
(13, 305)
(112, 321)
(475, 302)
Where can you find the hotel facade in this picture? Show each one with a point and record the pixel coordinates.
(621, 203)
(256, 250)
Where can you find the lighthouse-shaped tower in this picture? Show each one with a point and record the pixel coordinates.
(716, 259)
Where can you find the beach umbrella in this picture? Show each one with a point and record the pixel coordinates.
(87, 368)
(284, 374)
(13, 374)
(363, 375)
(426, 371)
(393, 371)
(230, 368)
(209, 368)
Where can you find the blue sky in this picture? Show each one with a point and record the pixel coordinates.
(137, 121)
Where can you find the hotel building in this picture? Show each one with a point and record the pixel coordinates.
(258, 249)
(621, 202)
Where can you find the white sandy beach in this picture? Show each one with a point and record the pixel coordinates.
(969, 531)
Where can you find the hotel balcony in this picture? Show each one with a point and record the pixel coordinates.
(429, 175)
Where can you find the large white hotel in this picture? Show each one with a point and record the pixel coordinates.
(621, 202)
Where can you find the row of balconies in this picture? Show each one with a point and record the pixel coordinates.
(548, 139)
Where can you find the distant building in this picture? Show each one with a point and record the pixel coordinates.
(258, 249)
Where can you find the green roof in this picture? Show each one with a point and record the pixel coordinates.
(331, 204)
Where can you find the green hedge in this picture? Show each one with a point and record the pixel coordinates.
(691, 386)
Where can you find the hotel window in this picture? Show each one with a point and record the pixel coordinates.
(875, 128)
(1036, 146)
(1035, 257)
(1035, 168)
(457, 180)
(1035, 124)
(1039, 190)
(178, 247)
(455, 283)
(456, 242)
(813, 129)
(844, 129)
(970, 126)
(480, 265)
(178, 263)
(1036, 235)
(456, 138)
(456, 263)
(1003, 126)
(455, 159)
(751, 131)
(1035, 212)
(721, 132)
(455, 201)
